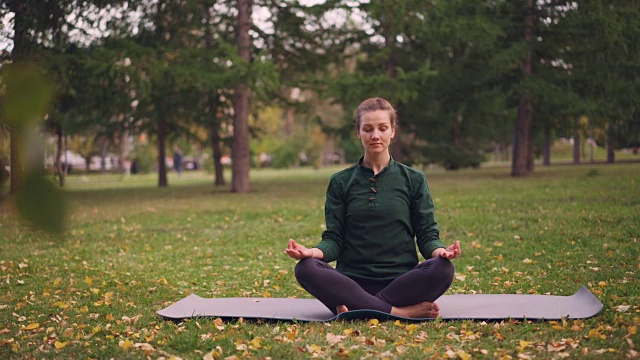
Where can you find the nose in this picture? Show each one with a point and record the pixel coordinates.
(375, 134)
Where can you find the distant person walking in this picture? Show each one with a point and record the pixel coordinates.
(177, 159)
(376, 211)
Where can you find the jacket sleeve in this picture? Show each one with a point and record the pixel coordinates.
(423, 219)
(334, 214)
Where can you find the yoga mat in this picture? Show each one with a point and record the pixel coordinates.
(582, 304)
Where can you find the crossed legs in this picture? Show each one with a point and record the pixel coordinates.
(410, 295)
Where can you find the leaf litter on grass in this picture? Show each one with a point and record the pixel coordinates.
(94, 292)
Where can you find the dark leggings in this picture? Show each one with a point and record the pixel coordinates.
(425, 282)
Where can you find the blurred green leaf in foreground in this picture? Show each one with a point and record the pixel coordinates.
(25, 95)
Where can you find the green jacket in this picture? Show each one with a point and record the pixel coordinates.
(374, 222)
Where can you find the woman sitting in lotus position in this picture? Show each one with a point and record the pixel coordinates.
(376, 211)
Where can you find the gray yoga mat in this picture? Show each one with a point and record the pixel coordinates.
(582, 304)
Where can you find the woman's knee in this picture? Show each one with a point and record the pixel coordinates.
(304, 268)
(444, 267)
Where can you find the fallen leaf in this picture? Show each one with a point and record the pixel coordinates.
(60, 304)
(125, 344)
(314, 349)
(333, 339)
(32, 326)
(255, 343)
(463, 355)
(622, 308)
(145, 347)
(214, 354)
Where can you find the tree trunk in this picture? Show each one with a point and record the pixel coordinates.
(60, 167)
(611, 155)
(102, 148)
(17, 139)
(522, 132)
(16, 133)
(214, 102)
(546, 147)
(576, 140)
(592, 144)
(240, 148)
(122, 155)
(216, 145)
(530, 156)
(397, 149)
(521, 137)
(162, 134)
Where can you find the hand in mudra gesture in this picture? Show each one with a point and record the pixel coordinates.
(298, 251)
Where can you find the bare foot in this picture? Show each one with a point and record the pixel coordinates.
(420, 310)
(341, 308)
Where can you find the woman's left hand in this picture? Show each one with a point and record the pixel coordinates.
(452, 252)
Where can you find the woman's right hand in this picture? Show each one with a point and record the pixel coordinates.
(298, 251)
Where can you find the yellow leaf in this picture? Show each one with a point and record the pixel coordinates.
(266, 294)
(523, 344)
(60, 304)
(463, 355)
(602, 283)
(313, 348)
(632, 330)
(411, 328)
(373, 322)
(59, 344)
(213, 354)
(32, 326)
(88, 281)
(255, 343)
(125, 344)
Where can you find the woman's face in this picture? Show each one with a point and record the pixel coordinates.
(376, 131)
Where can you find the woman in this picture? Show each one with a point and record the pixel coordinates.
(376, 211)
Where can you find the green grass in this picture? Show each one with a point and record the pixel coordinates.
(131, 249)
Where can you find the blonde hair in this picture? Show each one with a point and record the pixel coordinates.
(375, 104)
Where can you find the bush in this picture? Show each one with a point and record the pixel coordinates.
(142, 159)
(455, 158)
